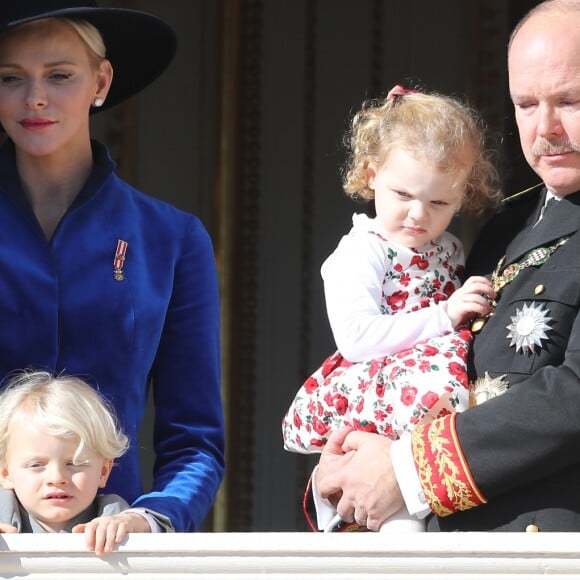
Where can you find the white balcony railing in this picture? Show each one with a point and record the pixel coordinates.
(296, 556)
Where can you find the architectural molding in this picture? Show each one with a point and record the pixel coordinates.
(285, 556)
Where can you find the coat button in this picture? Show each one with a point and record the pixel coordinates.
(532, 528)
(539, 289)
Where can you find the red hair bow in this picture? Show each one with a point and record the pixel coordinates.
(399, 91)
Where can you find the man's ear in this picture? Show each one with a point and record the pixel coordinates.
(105, 472)
(5, 480)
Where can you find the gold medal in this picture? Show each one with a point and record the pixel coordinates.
(478, 324)
(486, 388)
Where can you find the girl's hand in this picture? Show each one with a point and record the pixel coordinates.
(474, 298)
(104, 533)
(8, 529)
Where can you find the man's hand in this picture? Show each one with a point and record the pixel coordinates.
(104, 533)
(332, 460)
(355, 473)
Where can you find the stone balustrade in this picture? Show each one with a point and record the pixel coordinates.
(296, 556)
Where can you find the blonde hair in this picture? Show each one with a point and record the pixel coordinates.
(90, 35)
(66, 407)
(435, 128)
(87, 32)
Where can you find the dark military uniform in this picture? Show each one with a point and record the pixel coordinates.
(513, 462)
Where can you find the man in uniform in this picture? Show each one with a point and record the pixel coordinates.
(511, 463)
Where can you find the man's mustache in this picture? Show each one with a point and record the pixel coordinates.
(544, 147)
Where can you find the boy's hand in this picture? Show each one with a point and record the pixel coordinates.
(104, 533)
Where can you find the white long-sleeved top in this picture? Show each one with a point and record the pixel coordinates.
(372, 286)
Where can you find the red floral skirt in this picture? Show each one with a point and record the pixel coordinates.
(388, 395)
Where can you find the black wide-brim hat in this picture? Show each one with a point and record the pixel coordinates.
(139, 45)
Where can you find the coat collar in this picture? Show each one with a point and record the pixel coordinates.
(562, 219)
(103, 166)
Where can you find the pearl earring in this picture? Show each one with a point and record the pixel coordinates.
(98, 102)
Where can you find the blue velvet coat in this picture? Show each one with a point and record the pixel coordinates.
(63, 310)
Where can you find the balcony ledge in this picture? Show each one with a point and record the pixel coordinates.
(296, 556)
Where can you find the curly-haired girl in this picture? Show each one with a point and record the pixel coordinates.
(395, 303)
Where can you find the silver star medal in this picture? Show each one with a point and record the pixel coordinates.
(486, 388)
(528, 327)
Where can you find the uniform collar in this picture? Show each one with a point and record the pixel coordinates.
(562, 220)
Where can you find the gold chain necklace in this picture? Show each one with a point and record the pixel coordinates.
(535, 257)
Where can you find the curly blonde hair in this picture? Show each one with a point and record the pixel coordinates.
(437, 129)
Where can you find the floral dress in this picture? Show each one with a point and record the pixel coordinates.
(408, 381)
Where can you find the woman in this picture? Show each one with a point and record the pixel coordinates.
(96, 278)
